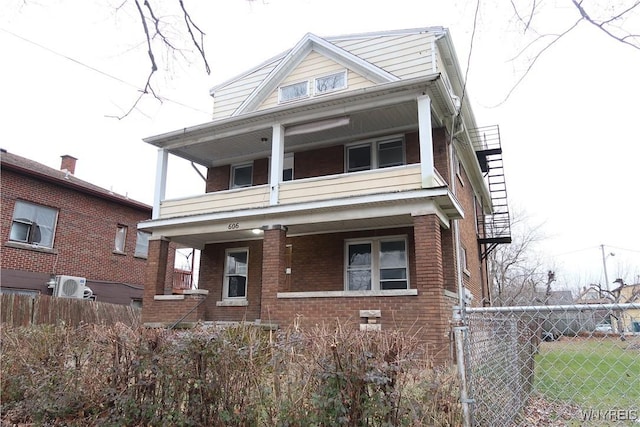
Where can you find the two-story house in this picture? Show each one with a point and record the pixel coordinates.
(57, 229)
(347, 179)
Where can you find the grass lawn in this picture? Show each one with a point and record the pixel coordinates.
(596, 373)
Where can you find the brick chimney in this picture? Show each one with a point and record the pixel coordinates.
(68, 163)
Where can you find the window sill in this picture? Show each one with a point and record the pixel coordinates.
(343, 294)
(118, 253)
(31, 247)
(466, 272)
(232, 303)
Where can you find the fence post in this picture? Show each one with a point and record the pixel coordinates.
(459, 330)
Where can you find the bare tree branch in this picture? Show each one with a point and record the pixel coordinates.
(602, 25)
(199, 46)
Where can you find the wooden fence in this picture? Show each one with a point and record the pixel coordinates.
(25, 310)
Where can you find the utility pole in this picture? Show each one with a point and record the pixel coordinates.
(604, 266)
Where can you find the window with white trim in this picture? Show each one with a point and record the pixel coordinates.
(376, 264)
(287, 167)
(121, 238)
(33, 224)
(235, 273)
(375, 154)
(330, 83)
(293, 91)
(242, 175)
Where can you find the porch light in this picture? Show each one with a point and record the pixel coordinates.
(256, 231)
(317, 126)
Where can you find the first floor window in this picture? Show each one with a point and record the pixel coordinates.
(142, 244)
(235, 273)
(33, 224)
(377, 264)
(121, 238)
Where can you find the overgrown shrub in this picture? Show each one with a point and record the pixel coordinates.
(233, 376)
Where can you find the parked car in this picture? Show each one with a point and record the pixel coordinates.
(603, 327)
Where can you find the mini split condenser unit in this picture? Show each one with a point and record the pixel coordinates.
(70, 287)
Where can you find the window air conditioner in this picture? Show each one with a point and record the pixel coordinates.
(69, 287)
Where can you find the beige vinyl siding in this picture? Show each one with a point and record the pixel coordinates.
(221, 201)
(315, 65)
(228, 98)
(404, 56)
(388, 180)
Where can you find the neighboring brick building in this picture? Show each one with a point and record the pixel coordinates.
(347, 179)
(54, 224)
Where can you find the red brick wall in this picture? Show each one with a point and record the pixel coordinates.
(218, 178)
(84, 236)
(319, 162)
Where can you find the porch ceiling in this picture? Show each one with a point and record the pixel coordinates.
(387, 108)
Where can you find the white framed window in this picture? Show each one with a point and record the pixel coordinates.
(376, 264)
(33, 224)
(142, 244)
(293, 91)
(242, 175)
(380, 153)
(121, 238)
(463, 261)
(236, 269)
(330, 83)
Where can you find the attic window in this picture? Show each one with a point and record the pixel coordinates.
(330, 83)
(294, 91)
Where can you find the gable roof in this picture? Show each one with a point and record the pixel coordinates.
(308, 43)
(62, 178)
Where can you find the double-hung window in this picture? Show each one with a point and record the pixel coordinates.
(376, 264)
(235, 273)
(33, 224)
(375, 154)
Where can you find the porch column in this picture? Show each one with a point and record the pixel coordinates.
(431, 285)
(273, 270)
(161, 182)
(155, 275)
(426, 141)
(277, 160)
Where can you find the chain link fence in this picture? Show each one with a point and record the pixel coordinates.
(566, 365)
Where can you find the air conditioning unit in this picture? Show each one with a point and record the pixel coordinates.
(69, 287)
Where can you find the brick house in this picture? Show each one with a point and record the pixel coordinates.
(56, 225)
(346, 179)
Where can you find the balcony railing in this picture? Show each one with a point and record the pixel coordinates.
(332, 187)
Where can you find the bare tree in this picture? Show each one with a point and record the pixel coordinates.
(517, 269)
(157, 36)
(615, 20)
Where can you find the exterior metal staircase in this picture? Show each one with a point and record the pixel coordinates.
(495, 227)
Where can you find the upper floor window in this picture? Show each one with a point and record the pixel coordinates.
(293, 91)
(376, 264)
(242, 175)
(142, 244)
(236, 270)
(375, 154)
(330, 83)
(33, 224)
(121, 238)
(287, 167)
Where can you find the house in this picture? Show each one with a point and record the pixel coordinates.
(346, 179)
(58, 229)
(630, 318)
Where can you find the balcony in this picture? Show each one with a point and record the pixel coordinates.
(343, 187)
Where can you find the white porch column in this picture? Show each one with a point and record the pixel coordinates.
(161, 182)
(426, 141)
(277, 160)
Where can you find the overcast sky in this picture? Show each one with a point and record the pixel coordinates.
(570, 145)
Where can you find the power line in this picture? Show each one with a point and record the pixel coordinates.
(96, 70)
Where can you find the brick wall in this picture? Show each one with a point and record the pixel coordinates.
(84, 236)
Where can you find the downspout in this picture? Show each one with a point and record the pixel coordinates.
(456, 227)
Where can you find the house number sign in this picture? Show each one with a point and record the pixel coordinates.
(233, 226)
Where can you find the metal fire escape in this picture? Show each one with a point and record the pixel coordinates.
(495, 227)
